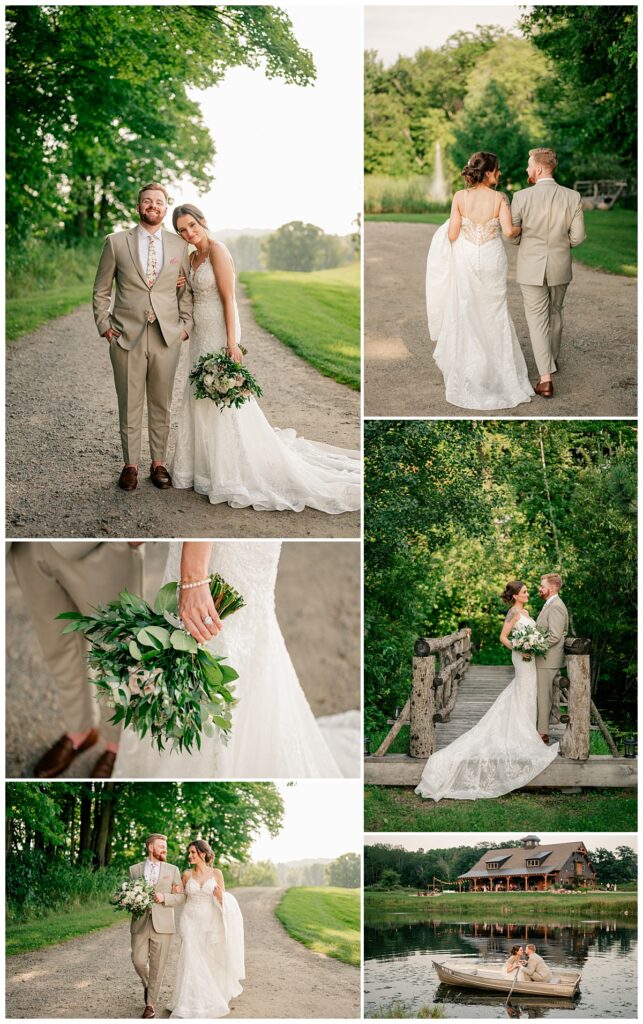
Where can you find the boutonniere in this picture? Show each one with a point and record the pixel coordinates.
(175, 259)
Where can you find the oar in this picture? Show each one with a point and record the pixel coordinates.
(512, 985)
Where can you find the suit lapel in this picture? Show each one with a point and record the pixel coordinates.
(169, 241)
(132, 244)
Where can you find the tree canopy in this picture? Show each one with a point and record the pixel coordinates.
(455, 509)
(98, 102)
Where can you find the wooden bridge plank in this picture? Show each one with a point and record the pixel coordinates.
(600, 770)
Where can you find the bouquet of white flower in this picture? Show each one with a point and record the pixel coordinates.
(529, 640)
(216, 376)
(135, 897)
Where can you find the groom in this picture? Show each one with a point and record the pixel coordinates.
(144, 329)
(552, 223)
(554, 618)
(152, 932)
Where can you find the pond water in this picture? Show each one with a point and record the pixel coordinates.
(398, 966)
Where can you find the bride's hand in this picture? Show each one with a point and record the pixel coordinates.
(181, 280)
(195, 606)
(235, 353)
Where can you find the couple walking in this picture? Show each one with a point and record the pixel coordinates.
(510, 745)
(477, 347)
(165, 295)
(211, 958)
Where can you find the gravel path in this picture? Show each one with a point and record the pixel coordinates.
(92, 976)
(329, 671)
(597, 375)
(63, 447)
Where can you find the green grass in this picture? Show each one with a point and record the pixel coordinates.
(316, 314)
(50, 929)
(398, 1009)
(326, 920)
(25, 316)
(512, 906)
(610, 244)
(398, 809)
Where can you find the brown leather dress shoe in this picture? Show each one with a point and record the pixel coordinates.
(160, 477)
(104, 766)
(544, 388)
(61, 755)
(128, 479)
(545, 739)
(148, 1012)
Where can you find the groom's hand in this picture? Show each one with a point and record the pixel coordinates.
(184, 335)
(159, 897)
(111, 333)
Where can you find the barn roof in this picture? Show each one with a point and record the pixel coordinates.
(514, 860)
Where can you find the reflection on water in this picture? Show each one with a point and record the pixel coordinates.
(399, 965)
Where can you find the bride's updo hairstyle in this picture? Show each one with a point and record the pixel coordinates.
(479, 165)
(513, 587)
(201, 846)
(187, 210)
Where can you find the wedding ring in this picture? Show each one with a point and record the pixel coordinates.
(208, 620)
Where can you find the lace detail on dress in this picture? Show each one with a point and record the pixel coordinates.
(480, 234)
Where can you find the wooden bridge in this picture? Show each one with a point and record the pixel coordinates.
(449, 696)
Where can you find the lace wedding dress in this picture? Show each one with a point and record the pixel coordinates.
(274, 732)
(235, 456)
(211, 959)
(501, 753)
(477, 347)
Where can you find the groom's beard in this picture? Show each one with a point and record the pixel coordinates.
(152, 219)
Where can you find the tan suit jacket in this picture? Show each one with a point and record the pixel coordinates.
(555, 618)
(551, 217)
(120, 262)
(537, 969)
(162, 913)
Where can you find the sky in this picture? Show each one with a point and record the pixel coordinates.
(443, 840)
(323, 819)
(288, 152)
(395, 31)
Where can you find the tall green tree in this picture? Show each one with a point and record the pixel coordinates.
(345, 871)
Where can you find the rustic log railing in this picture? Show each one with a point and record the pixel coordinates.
(433, 694)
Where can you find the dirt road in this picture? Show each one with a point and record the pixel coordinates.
(92, 976)
(597, 374)
(63, 448)
(329, 671)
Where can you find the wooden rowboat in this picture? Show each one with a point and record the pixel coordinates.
(492, 977)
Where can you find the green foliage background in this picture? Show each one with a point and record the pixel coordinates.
(454, 509)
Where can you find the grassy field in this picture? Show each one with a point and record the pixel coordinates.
(326, 920)
(49, 929)
(610, 244)
(398, 809)
(513, 906)
(23, 317)
(316, 314)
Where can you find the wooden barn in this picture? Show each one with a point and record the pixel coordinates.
(531, 866)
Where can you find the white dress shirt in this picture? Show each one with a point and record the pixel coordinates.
(543, 181)
(551, 598)
(152, 871)
(144, 244)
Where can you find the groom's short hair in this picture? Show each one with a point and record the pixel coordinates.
(554, 579)
(152, 185)
(545, 156)
(151, 838)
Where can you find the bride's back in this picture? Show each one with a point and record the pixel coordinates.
(479, 205)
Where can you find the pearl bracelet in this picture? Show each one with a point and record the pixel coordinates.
(197, 583)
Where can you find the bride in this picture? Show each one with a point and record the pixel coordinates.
(477, 347)
(234, 455)
(211, 959)
(504, 750)
(274, 733)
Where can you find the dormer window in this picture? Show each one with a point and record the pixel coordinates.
(533, 862)
(493, 864)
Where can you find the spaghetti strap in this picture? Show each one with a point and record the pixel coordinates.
(465, 203)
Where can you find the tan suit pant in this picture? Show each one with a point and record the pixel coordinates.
(150, 951)
(544, 312)
(150, 367)
(545, 684)
(52, 584)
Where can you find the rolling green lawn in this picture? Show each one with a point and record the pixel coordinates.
(398, 809)
(512, 905)
(48, 930)
(610, 244)
(316, 314)
(326, 920)
(24, 315)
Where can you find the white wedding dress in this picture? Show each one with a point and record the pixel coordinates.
(477, 347)
(274, 732)
(211, 959)
(235, 456)
(501, 753)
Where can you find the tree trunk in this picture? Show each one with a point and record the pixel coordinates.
(422, 730)
(575, 740)
(104, 824)
(84, 838)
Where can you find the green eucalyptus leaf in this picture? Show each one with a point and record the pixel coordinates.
(166, 599)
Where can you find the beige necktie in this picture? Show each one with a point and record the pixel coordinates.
(152, 266)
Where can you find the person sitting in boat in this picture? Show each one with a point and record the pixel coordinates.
(515, 961)
(536, 969)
